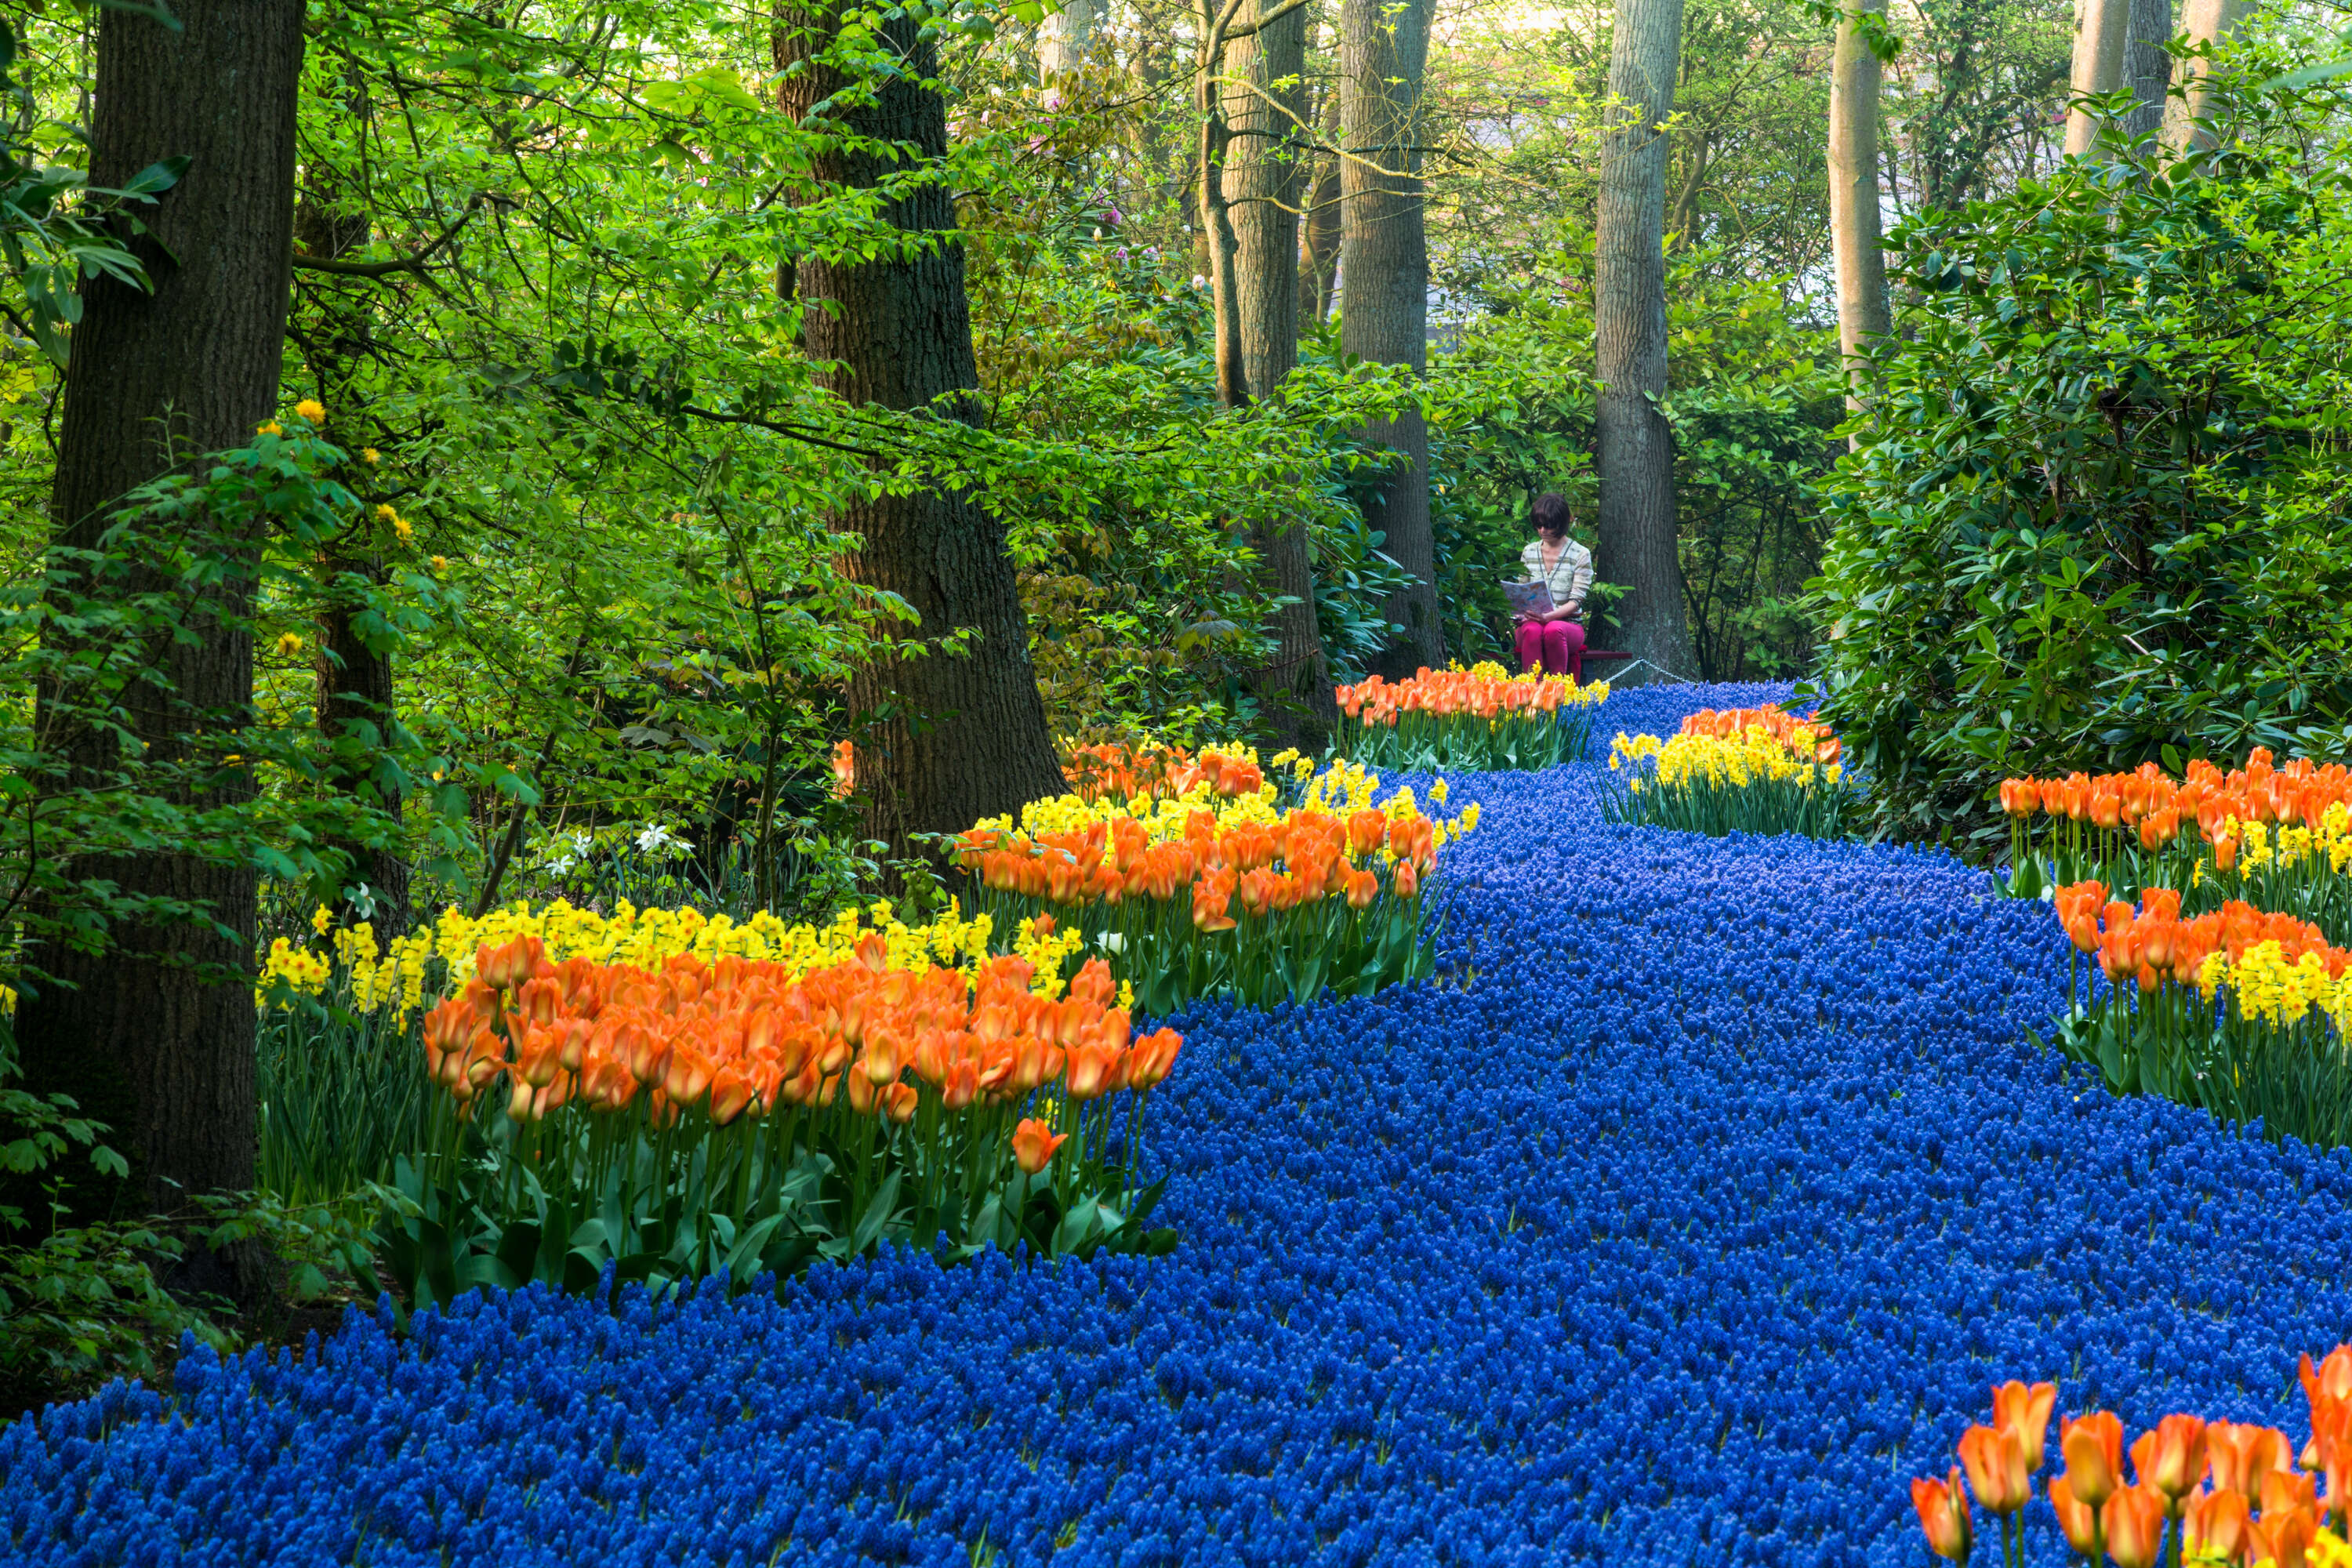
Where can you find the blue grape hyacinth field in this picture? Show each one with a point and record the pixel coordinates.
(1687, 1217)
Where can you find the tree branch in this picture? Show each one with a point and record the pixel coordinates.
(397, 264)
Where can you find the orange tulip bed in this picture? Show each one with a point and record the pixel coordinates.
(2278, 836)
(744, 1117)
(2196, 1491)
(1483, 718)
(1254, 910)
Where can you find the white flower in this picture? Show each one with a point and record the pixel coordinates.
(657, 840)
(1112, 941)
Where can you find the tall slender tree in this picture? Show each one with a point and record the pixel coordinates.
(946, 738)
(1067, 38)
(2206, 22)
(2148, 65)
(152, 1037)
(1634, 443)
(1385, 283)
(1854, 193)
(1267, 148)
(1318, 249)
(2102, 35)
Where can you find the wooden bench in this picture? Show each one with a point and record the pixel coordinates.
(1576, 660)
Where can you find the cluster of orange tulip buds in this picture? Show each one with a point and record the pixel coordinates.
(1804, 740)
(742, 1036)
(1115, 771)
(2153, 945)
(1377, 701)
(2151, 804)
(2228, 1492)
(1265, 867)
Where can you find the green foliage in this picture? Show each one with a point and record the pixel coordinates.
(112, 762)
(507, 1202)
(2097, 515)
(1421, 741)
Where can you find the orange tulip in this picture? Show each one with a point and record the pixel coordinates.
(2242, 1455)
(898, 1101)
(1995, 1458)
(1406, 880)
(2094, 1447)
(1943, 1510)
(2026, 1412)
(2283, 1539)
(2173, 1457)
(2331, 1379)
(2134, 1526)
(511, 964)
(2079, 1520)
(1033, 1144)
(2218, 1523)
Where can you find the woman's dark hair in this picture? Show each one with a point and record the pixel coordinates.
(1551, 511)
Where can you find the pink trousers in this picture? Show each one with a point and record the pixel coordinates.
(1553, 645)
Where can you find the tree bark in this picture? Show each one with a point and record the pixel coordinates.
(2146, 67)
(1634, 445)
(2102, 28)
(2206, 23)
(1384, 272)
(1863, 314)
(945, 739)
(141, 1036)
(1266, 171)
(1319, 226)
(1066, 38)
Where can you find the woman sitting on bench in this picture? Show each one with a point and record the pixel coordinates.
(1552, 638)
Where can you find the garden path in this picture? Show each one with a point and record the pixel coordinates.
(1688, 1230)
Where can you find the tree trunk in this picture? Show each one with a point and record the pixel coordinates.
(351, 681)
(1384, 271)
(1863, 314)
(2207, 22)
(1639, 536)
(947, 739)
(1266, 171)
(140, 1036)
(2146, 67)
(1319, 229)
(1066, 38)
(2102, 28)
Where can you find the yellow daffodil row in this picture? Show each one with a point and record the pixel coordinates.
(397, 975)
(1753, 756)
(1341, 788)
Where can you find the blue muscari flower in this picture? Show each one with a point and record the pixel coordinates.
(1690, 1231)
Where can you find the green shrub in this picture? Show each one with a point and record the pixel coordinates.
(2096, 517)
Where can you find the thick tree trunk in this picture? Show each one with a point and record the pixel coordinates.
(1266, 171)
(1639, 536)
(1384, 272)
(1067, 38)
(1854, 197)
(2102, 29)
(143, 1037)
(2147, 69)
(945, 739)
(2207, 22)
